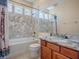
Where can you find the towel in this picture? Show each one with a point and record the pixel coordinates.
(4, 46)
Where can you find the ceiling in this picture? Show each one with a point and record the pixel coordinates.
(30, 0)
(41, 4)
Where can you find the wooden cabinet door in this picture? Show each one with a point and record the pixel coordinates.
(45, 53)
(59, 56)
(43, 42)
(70, 53)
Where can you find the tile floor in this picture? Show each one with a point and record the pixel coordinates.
(23, 56)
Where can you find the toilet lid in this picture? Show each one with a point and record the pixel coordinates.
(35, 45)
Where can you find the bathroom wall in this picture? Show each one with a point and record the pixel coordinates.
(20, 26)
(68, 17)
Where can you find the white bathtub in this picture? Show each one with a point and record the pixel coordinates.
(19, 46)
(20, 41)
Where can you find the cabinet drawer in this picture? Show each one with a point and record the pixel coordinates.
(53, 46)
(43, 43)
(59, 56)
(70, 53)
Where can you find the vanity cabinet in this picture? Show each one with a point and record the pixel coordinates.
(70, 53)
(54, 51)
(43, 43)
(59, 56)
(46, 53)
(53, 47)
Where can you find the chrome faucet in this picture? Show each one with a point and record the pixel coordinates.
(50, 34)
(65, 36)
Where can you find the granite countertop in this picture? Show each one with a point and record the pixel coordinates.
(69, 43)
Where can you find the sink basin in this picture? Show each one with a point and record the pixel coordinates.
(60, 40)
(57, 39)
(64, 42)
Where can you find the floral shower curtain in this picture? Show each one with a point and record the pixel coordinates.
(4, 47)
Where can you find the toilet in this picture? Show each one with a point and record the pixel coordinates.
(34, 50)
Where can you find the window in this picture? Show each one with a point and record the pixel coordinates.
(35, 13)
(46, 16)
(27, 11)
(10, 7)
(51, 17)
(18, 9)
(41, 14)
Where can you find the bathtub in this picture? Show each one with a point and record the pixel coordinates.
(21, 45)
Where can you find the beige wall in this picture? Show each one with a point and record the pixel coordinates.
(68, 17)
(43, 4)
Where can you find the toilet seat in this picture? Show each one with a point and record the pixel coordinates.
(35, 45)
(34, 50)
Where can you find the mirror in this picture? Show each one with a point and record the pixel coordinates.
(68, 17)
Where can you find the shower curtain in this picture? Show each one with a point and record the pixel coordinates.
(4, 47)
